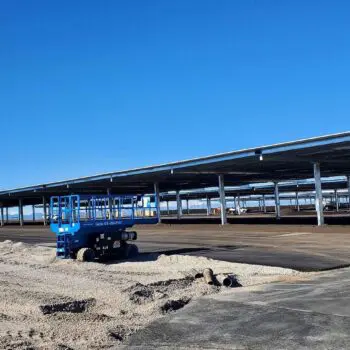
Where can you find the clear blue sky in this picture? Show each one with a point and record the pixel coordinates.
(94, 86)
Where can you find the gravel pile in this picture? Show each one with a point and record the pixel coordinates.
(64, 304)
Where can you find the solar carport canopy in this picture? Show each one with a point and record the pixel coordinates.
(278, 162)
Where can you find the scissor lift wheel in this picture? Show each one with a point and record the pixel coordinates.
(86, 254)
(131, 251)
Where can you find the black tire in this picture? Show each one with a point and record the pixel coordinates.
(131, 251)
(86, 254)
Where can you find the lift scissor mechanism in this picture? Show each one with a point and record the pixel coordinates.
(90, 227)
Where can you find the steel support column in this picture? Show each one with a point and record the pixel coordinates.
(33, 211)
(348, 181)
(157, 198)
(208, 206)
(277, 202)
(20, 212)
(167, 207)
(238, 205)
(187, 207)
(297, 200)
(44, 211)
(178, 205)
(110, 204)
(318, 194)
(2, 221)
(222, 200)
(264, 203)
(336, 200)
(7, 215)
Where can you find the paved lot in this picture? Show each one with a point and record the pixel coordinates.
(302, 247)
(309, 314)
(288, 218)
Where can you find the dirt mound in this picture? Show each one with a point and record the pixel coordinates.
(141, 294)
(174, 305)
(70, 306)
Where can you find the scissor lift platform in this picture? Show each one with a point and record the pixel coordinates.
(95, 226)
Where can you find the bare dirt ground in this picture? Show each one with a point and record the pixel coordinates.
(63, 304)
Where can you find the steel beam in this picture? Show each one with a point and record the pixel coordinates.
(178, 205)
(277, 202)
(222, 200)
(318, 195)
(157, 200)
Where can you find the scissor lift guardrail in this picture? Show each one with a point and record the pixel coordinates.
(97, 222)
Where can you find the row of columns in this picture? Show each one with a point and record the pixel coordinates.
(4, 217)
(222, 199)
(297, 201)
(20, 213)
(318, 199)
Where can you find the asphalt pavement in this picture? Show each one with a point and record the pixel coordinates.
(313, 313)
(305, 248)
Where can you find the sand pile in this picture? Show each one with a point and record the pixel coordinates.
(61, 304)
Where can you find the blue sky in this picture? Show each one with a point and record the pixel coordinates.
(94, 86)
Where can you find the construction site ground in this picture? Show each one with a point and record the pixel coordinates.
(151, 302)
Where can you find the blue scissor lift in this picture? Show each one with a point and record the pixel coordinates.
(94, 226)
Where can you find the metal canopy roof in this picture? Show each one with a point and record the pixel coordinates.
(277, 162)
